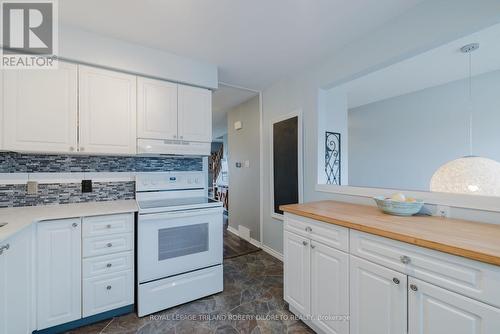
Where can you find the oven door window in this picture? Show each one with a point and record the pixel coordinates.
(182, 240)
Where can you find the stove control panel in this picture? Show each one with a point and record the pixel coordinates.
(157, 181)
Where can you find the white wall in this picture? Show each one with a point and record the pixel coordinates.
(400, 142)
(244, 185)
(93, 49)
(428, 25)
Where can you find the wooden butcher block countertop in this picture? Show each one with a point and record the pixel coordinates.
(476, 241)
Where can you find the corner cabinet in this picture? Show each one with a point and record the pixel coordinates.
(107, 101)
(384, 286)
(40, 109)
(17, 300)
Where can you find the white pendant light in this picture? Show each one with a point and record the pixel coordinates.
(470, 174)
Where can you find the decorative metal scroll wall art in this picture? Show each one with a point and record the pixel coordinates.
(332, 158)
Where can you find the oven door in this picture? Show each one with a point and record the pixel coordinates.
(177, 242)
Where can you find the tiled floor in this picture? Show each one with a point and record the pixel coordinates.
(234, 246)
(252, 302)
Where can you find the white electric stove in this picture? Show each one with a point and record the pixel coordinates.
(179, 240)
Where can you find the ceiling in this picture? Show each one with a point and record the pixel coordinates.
(432, 68)
(223, 100)
(254, 43)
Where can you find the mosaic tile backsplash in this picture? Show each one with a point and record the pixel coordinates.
(15, 195)
(63, 193)
(37, 163)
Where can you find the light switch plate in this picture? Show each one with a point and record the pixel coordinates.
(32, 187)
(247, 163)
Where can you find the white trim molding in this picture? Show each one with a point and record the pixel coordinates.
(485, 203)
(272, 252)
(254, 242)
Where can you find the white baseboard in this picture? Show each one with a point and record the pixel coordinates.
(272, 252)
(254, 242)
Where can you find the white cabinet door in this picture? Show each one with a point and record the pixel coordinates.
(107, 103)
(156, 109)
(297, 272)
(40, 109)
(329, 288)
(195, 114)
(433, 310)
(16, 297)
(59, 272)
(378, 299)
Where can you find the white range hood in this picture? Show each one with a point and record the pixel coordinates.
(174, 147)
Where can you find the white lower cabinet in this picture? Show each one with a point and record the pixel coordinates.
(73, 283)
(59, 272)
(16, 297)
(384, 286)
(434, 310)
(378, 299)
(316, 283)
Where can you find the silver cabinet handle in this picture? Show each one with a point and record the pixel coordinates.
(308, 229)
(82, 149)
(108, 226)
(109, 265)
(175, 136)
(413, 287)
(109, 244)
(74, 225)
(182, 137)
(304, 243)
(108, 287)
(4, 248)
(395, 280)
(405, 259)
(312, 246)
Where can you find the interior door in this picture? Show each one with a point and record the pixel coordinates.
(156, 109)
(433, 310)
(108, 114)
(378, 299)
(40, 109)
(330, 288)
(297, 272)
(195, 114)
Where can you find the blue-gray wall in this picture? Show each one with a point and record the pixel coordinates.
(400, 142)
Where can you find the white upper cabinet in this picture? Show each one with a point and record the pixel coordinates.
(156, 109)
(195, 114)
(433, 310)
(378, 299)
(107, 111)
(40, 109)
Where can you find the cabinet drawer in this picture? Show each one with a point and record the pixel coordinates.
(107, 264)
(328, 234)
(104, 225)
(107, 292)
(107, 244)
(467, 277)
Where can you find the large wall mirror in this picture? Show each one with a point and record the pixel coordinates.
(428, 123)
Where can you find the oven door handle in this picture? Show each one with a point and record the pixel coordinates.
(181, 213)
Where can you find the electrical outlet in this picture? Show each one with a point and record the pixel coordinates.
(443, 211)
(32, 187)
(86, 186)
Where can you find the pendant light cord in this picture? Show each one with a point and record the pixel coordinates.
(470, 103)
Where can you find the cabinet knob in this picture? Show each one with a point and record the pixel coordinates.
(395, 280)
(74, 225)
(109, 265)
(175, 136)
(109, 244)
(108, 226)
(108, 287)
(312, 246)
(405, 259)
(4, 248)
(308, 229)
(71, 148)
(182, 137)
(304, 243)
(413, 287)
(82, 149)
